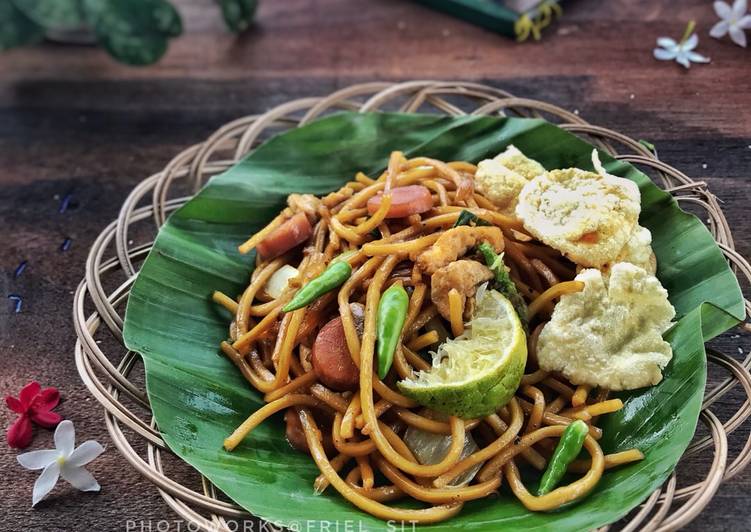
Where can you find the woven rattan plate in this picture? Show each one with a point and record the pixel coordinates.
(111, 372)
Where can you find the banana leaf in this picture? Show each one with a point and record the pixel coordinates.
(198, 397)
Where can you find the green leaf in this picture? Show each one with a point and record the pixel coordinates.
(135, 32)
(16, 29)
(469, 218)
(53, 14)
(238, 14)
(503, 282)
(198, 397)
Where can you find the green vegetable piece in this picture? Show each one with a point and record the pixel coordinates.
(332, 277)
(502, 281)
(392, 311)
(568, 448)
(469, 218)
(648, 145)
(238, 14)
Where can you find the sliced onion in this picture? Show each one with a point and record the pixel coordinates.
(430, 448)
(279, 280)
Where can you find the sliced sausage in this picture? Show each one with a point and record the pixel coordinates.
(291, 233)
(405, 201)
(330, 355)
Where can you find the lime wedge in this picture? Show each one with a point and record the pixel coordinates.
(475, 374)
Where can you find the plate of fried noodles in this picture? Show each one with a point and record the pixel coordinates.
(387, 319)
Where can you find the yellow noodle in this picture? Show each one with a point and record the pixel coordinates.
(487, 452)
(455, 312)
(365, 471)
(225, 301)
(400, 248)
(377, 218)
(253, 241)
(348, 421)
(337, 463)
(595, 409)
(437, 495)
(564, 494)
(580, 395)
(611, 460)
(429, 515)
(567, 287)
(424, 340)
(264, 412)
(303, 381)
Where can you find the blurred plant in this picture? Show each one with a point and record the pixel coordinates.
(135, 32)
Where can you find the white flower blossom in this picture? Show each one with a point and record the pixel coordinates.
(64, 461)
(733, 20)
(683, 51)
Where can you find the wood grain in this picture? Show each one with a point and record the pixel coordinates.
(71, 120)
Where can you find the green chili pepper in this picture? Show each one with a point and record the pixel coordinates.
(469, 218)
(502, 281)
(392, 311)
(568, 448)
(333, 276)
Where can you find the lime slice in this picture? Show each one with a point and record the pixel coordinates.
(475, 374)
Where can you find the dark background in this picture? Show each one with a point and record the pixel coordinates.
(73, 121)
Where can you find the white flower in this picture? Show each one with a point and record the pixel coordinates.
(64, 461)
(681, 52)
(733, 20)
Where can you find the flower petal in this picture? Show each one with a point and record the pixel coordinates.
(697, 58)
(667, 42)
(79, 478)
(48, 420)
(720, 29)
(739, 8)
(46, 400)
(85, 453)
(690, 43)
(664, 55)
(37, 459)
(683, 60)
(723, 10)
(14, 404)
(20, 433)
(28, 393)
(65, 438)
(738, 36)
(45, 482)
(744, 23)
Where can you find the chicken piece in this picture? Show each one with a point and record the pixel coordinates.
(454, 243)
(305, 203)
(464, 276)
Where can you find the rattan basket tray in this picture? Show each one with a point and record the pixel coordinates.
(98, 310)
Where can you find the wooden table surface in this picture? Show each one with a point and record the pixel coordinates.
(73, 121)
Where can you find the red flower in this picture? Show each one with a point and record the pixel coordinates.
(33, 405)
